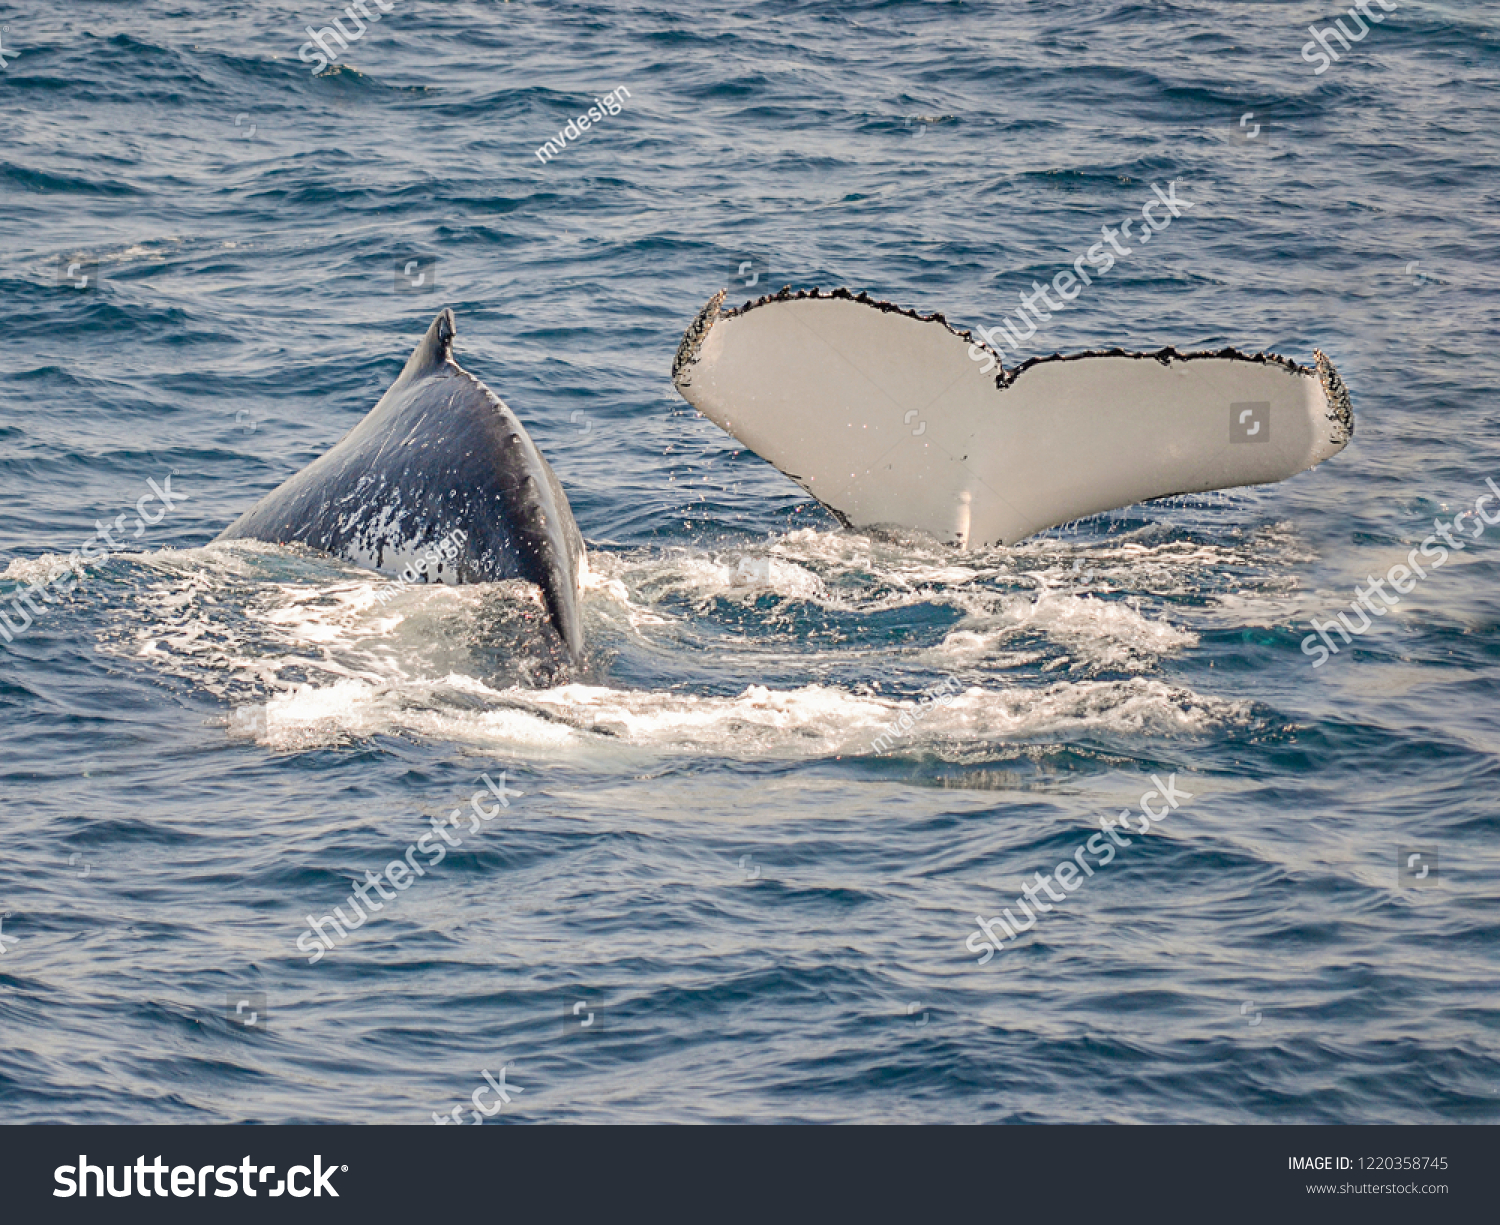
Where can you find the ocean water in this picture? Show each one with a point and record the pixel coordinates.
(764, 915)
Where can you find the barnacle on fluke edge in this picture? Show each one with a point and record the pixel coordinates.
(1340, 411)
(697, 330)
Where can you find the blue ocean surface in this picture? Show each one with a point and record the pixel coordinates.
(216, 260)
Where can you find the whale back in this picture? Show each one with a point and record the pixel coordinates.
(441, 457)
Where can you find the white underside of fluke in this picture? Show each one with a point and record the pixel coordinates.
(885, 418)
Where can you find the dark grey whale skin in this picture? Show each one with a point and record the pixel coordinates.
(439, 452)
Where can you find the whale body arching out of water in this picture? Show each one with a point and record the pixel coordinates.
(441, 458)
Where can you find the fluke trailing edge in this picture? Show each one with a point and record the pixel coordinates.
(439, 458)
(880, 414)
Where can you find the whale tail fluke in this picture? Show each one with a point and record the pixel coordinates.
(889, 418)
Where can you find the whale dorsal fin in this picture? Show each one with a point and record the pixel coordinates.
(434, 350)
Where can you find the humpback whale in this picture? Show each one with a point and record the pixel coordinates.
(439, 459)
(883, 415)
(880, 413)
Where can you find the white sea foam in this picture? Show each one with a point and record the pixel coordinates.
(761, 722)
(1042, 635)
